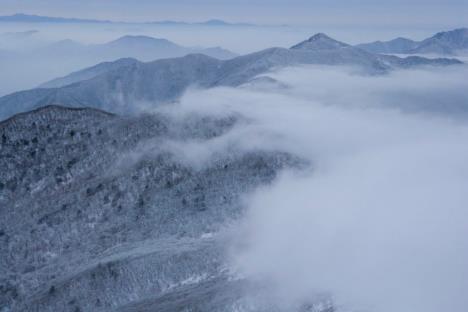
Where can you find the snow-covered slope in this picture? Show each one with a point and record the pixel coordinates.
(320, 41)
(96, 212)
(127, 89)
(398, 45)
(88, 73)
(448, 43)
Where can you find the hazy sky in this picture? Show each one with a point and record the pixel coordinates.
(418, 13)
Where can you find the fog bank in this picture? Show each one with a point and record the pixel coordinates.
(378, 219)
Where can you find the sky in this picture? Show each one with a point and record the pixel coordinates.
(415, 13)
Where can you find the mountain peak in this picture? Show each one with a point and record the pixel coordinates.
(458, 31)
(446, 42)
(320, 36)
(215, 22)
(319, 41)
(131, 40)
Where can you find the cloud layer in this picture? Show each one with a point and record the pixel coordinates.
(379, 218)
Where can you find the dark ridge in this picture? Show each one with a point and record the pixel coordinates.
(53, 107)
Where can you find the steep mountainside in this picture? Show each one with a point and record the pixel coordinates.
(97, 213)
(448, 42)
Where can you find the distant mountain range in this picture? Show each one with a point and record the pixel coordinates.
(212, 22)
(19, 34)
(122, 86)
(36, 62)
(448, 43)
(143, 48)
(27, 18)
(21, 40)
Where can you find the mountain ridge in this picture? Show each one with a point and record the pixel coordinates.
(123, 89)
(140, 222)
(144, 48)
(32, 18)
(320, 41)
(445, 42)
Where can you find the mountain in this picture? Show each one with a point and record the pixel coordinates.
(104, 67)
(448, 43)
(97, 213)
(126, 89)
(141, 42)
(89, 73)
(147, 48)
(212, 22)
(320, 41)
(143, 48)
(398, 46)
(19, 34)
(217, 22)
(34, 65)
(21, 40)
(26, 18)
(63, 49)
(216, 52)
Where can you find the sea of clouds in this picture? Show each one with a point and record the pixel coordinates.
(378, 218)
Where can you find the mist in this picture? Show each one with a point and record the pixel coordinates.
(377, 219)
(32, 54)
(373, 215)
(51, 50)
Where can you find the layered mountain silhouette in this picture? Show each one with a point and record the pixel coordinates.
(20, 40)
(39, 61)
(19, 34)
(320, 41)
(143, 48)
(448, 42)
(29, 18)
(127, 85)
(399, 45)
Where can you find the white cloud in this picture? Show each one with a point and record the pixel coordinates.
(380, 219)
